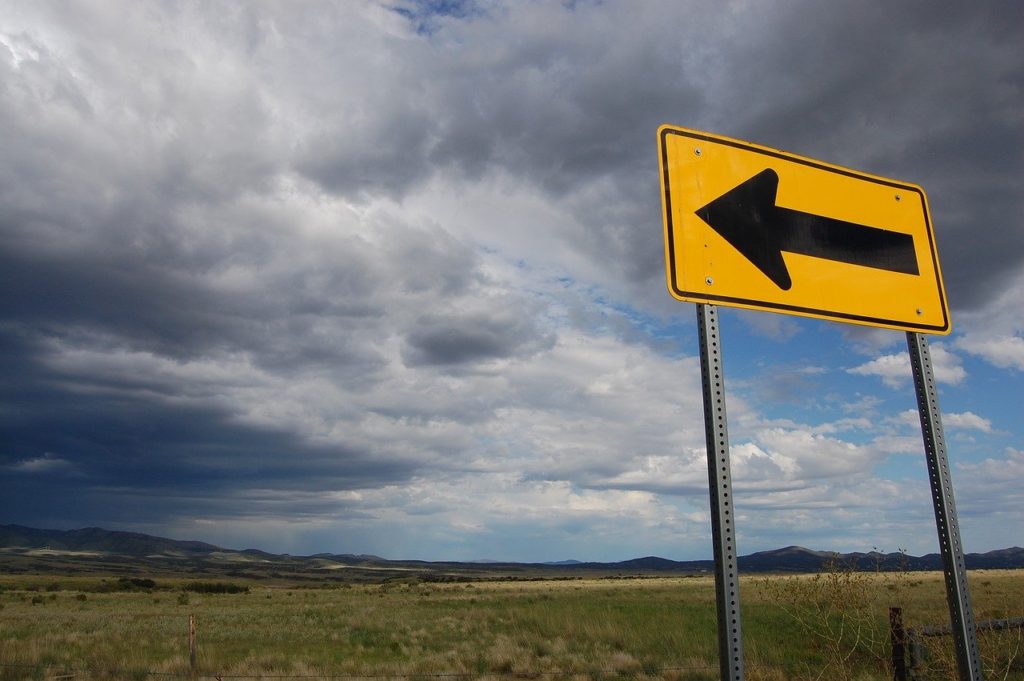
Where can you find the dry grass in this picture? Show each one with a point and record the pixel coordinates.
(646, 628)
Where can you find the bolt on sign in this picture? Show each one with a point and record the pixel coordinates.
(753, 227)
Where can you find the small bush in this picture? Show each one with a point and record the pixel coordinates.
(135, 583)
(216, 588)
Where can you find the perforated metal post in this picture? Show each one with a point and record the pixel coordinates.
(723, 531)
(961, 617)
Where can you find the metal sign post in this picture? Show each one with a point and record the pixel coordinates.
(753, 227)
(723, 531)
(961, 616)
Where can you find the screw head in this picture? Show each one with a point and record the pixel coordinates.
(709, 281)
(697, 151)
(899, 197)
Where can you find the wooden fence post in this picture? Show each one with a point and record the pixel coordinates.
(916, 653)
(898, 637)
(193, 652)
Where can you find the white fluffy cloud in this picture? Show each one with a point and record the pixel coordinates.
(894, 370)
(968, 421)
(45, 464)
(1006, 352)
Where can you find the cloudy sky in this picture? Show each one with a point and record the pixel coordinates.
(388, 276)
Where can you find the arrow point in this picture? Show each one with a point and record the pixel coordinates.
(745, 216)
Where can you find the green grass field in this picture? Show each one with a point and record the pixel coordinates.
(52, 627)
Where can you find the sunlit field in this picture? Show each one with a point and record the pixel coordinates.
(660, 628)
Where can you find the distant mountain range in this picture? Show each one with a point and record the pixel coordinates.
(26, 549)
(96, 540)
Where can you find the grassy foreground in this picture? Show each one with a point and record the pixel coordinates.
(827, 626)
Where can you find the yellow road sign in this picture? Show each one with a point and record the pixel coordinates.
(754, 227)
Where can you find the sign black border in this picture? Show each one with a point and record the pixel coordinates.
(750, 303)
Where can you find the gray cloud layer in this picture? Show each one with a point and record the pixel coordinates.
(215, 290)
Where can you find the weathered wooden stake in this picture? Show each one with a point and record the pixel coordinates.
(898, 637)
(193, 651)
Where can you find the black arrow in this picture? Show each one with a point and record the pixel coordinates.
(748, 218)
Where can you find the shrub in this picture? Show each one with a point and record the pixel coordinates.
(835, 609)
(134, 583)
(216, 588)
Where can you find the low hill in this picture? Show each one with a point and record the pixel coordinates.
(28, 550)
(95, 539)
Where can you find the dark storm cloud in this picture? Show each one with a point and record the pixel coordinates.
(928, 93)
(65, 291)
(459, 339)
(924, 92)
(91, 415)
(389, 157)
(78, 444)
(138, 239)
(147, 303)
(573, 102)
